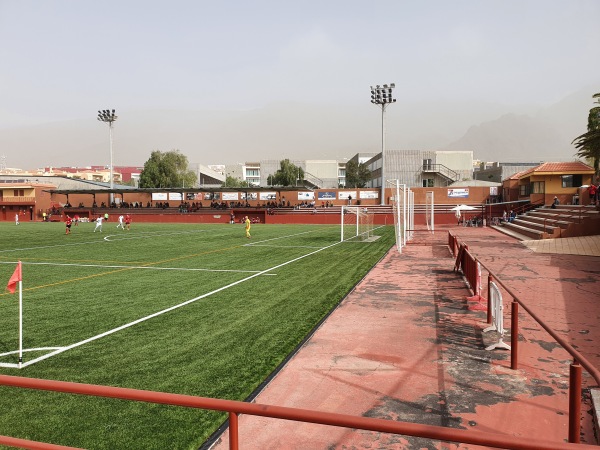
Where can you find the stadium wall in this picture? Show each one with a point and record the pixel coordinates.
(42, 201)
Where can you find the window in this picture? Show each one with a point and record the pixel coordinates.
(571, 181)
(524, 190)
(428, 182)
(19, 193)
(538, 187)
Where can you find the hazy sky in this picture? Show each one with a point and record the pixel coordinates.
(64, 59)
(286, 78)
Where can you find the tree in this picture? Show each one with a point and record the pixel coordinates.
(287, 175)
(167, 170)
(357, 175)
(235, 182)
(588, 144)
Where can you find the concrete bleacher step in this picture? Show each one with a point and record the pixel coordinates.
(530, 233)
(535, 226)
(547, 222)
(571, 210)
(511, 233)
(564, 217)
(555, 222)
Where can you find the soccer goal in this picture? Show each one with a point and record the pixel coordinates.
(403, 202)
(356, 223)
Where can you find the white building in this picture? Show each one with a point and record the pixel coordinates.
(422, 168)
(415, 168)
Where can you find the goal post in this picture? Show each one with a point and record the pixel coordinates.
(356, 223)
(403, 202)
(430, 211)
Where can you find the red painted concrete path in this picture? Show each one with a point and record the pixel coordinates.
(404, 346)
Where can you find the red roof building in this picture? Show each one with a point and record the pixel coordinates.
(542, 183)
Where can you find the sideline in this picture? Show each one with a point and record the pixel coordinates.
(161, 312)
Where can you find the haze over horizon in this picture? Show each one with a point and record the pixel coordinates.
(232, 81)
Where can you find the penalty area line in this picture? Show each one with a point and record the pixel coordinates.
(279, 246)
(102, 266)
(172, 308)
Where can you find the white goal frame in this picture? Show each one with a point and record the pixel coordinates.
(403, 203)
(356, 222)
(430, 211)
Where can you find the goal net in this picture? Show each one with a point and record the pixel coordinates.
(356, 223)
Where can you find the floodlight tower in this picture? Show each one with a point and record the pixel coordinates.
(108, 116)
(382, 96)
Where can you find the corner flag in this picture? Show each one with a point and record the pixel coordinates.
(16, 277)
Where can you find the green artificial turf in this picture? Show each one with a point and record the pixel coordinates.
(253, 305)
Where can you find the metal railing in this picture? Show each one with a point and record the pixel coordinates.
(466, 261)
(442, 170)
(235, 408)
(314, 180)
(17, 199)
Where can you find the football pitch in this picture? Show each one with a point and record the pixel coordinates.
(192, 309)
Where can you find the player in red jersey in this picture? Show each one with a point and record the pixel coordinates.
(68, 222)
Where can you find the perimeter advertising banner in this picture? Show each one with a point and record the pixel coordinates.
(306, 195)
(175, 196)
(458, 193)
(230, 196)
(268, 195)
(159, 196)
(343, 195)
(326, 195)
(369, 194)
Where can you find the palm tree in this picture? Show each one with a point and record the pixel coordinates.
(588, 144)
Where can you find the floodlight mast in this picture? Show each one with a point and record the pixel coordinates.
(108, 116)
(382, 96)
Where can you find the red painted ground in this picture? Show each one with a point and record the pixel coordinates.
(404, 346)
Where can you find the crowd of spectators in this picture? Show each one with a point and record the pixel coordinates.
(189, 207)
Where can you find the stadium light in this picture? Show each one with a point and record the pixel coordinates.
(382, 96)
(108, 116)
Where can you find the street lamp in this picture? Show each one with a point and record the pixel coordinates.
(108, 116)
(382, 96)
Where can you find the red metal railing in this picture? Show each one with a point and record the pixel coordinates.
(234, 408)
(575, 383)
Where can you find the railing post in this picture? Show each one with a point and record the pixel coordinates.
(514, 335)
(233, 431)
(574, 401)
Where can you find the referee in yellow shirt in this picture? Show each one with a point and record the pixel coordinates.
(247, 222)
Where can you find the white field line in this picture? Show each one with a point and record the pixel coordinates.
(353, 238)
(260, 243)
(16, 352)
(29, 350)
(281, 237)
(164, 311)
(280, 246)
(101, 266)
(147, 235)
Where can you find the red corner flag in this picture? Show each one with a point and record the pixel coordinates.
(16, 277)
